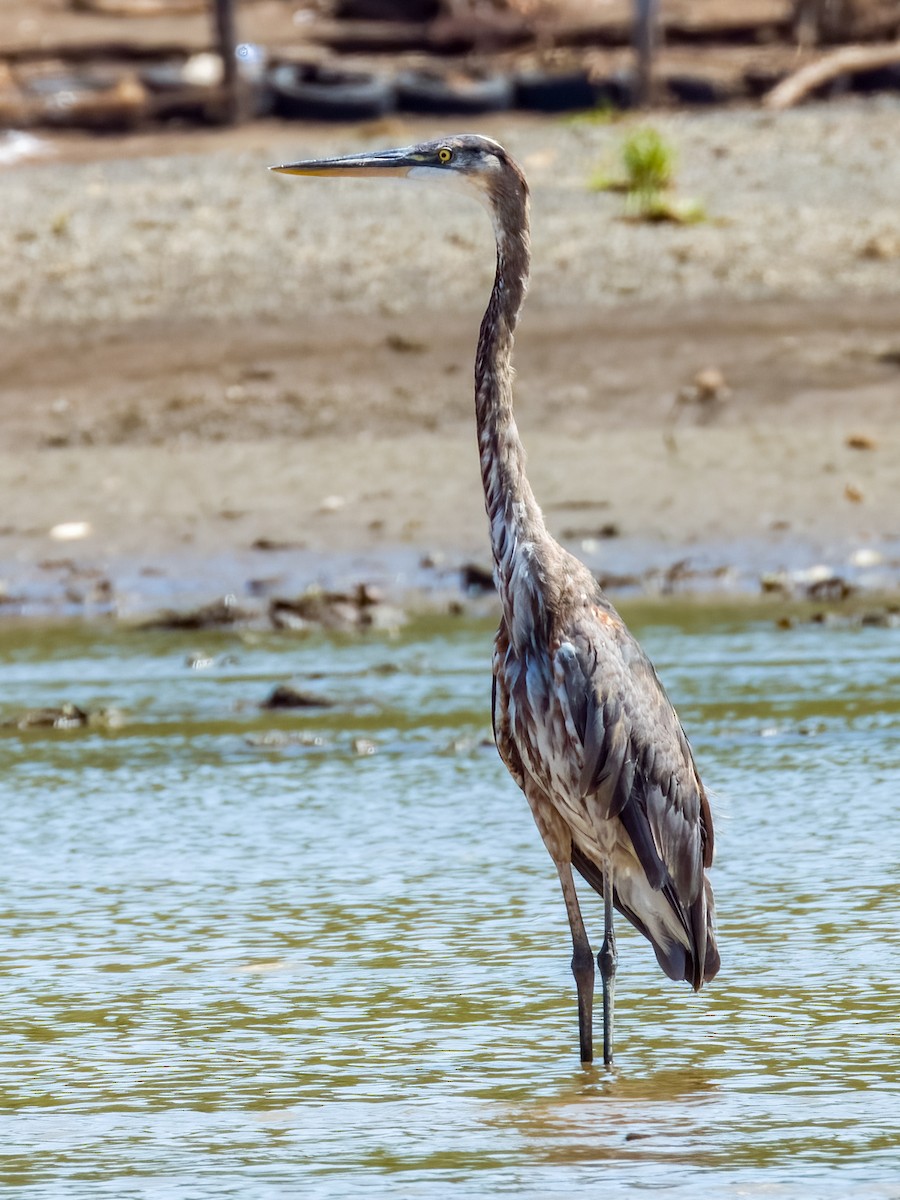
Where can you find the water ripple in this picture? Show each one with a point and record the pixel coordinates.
(235, 963)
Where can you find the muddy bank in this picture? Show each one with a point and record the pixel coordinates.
(215, 376)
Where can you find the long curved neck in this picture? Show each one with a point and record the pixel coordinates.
(512, 510)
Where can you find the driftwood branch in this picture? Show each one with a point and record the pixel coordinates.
(845, 61)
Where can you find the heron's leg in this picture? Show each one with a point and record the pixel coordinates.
(607, 960)
(582, 962)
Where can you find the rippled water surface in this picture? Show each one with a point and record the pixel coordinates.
(323, 953)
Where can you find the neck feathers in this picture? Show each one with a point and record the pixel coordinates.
(514, 516)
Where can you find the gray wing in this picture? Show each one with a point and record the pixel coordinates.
(506, 746)
(639, 769)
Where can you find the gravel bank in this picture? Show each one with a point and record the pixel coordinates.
(798, 205)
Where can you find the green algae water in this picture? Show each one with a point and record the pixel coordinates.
(323, 952)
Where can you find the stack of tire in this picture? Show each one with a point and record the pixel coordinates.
(311, 92)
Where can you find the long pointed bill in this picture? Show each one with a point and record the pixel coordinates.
(383, 164)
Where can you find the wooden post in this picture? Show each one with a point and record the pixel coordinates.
(646, 43)
(226, 41)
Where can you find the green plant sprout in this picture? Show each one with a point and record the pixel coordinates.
(647, 181)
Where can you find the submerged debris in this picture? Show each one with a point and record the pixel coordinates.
(833, 588)
(219, 614)
(886, 617)
(9, 598)
(278, 739)
(812, 583)
(363, 608)
(66, 716)
(199, 660)
(882, 618)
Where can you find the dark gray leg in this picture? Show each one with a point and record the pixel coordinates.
(582, 963)
(607, 960)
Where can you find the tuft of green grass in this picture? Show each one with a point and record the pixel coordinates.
(647, 178)
(649, 161)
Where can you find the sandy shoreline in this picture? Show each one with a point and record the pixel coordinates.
(198, 359)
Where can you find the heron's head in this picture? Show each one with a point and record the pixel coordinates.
(480, 165)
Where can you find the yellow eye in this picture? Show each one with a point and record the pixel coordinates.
(444, 155)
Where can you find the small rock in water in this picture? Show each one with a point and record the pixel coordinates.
(285, 696)
(476, 578)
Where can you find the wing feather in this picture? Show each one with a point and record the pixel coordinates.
(503, 739)
(581, 718)
(638, 767)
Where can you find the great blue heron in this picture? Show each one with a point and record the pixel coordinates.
(580, 717)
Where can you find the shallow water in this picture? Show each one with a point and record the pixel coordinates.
(260, 954)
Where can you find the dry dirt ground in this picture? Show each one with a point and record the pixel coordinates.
(198, 358)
